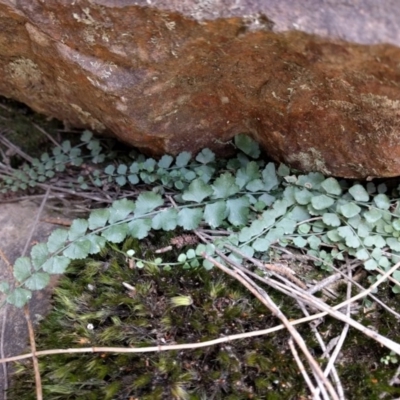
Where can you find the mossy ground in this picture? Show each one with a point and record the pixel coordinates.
(260, 368)
(92, 294)
(17, 120)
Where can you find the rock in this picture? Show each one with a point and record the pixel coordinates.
(165, 82)
(361, 21)
(17, 221)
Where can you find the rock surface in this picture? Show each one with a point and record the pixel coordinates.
(17, 221)
(165, 82)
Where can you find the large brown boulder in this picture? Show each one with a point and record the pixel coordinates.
(165, 81)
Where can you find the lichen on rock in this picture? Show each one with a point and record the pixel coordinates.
(166, 82)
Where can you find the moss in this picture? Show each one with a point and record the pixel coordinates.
(93, 293)
(17, 121)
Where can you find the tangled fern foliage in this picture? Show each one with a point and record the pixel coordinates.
(246, 203)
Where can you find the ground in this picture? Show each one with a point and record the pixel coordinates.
(107, 300)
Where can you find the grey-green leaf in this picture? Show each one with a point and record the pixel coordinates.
(299, 241)
(120, 180)
(116, 233)
(197, 191)
(275, 234)
(4, 287)
(205, 156)
(182, 159)
(57, 240)
(314, 242)
(19, 297)
(165, 220)
(139, 228)
(269, 177)
(255, 228)
(86, 136)
(256, 185)
(302, 196)
(370, 265)
(215, 213)
(280, 207)
(261, 244)
(122, 169)
(38, 281)
(373, 215)
(374, 240)
(382, 201)
(248, 173)
(97, 243)
(109, 170)
(78, 228)
(283, 170)
(331, 219)
(224, 186)
(393, 243)
(322, 202)
(333, 235)
(147, 202)
(22, 268)
(247, 145)
(120, 209)
(299, 213)
(351, 239)
(133, 179)
(304, 229)
(238, 211)
(359, 193)
(288, 225)
(56, 265)
(165, 161)
(39, 255)
(363, 254)
(332, 186)
(350, 210)
(78, 250)
(98, 218)
(190, 218)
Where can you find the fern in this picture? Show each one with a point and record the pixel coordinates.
(258, 205)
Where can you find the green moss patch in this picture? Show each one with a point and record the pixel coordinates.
(93, 306)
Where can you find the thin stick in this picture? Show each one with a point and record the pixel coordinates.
(46, 134)
(28, 197)
(39, 213)
(38, 381)
(163, 348)
(7, 143)
(75, 193)
(332, 358)
(3, 331)
(314, 301)
(312, 258)
(318, 336)
(267, 301)
(317, 303)
(303, 370)
(4, 366)
(344, 332)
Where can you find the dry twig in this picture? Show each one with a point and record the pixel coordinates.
(302, 369)
(266, 300)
